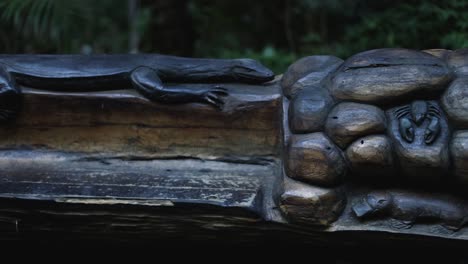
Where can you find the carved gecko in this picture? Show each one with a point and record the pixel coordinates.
(145, 72)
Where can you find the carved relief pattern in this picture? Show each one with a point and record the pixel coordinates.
(379, 140)
(383, 131)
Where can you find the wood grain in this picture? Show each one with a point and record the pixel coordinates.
(125, 122)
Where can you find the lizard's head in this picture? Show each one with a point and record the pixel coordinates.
(374, 202)
(248, 70)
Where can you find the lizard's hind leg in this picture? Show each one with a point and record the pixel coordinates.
(10, 96)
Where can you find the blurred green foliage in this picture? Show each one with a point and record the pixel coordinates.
(275, 32)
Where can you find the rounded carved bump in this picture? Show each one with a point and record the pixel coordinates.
(455, 102)
(349, 121)
(306, 204)
(306, 72)
(371, 155)
(382, 75)
(309, 110)
(313, 158)
(459, 153)
(458, 61)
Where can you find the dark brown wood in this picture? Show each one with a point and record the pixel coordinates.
(374, 145)
(118, 149)
(389, 139)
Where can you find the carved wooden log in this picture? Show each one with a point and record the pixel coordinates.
(332, 151)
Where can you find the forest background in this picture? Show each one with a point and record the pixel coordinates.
(276, 32)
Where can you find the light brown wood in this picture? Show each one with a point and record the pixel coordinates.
(126, 123)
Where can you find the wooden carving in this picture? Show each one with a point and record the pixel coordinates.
(377, 142)
(112, 72)
(381, 132)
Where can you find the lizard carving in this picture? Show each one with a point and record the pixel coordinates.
(145, 72)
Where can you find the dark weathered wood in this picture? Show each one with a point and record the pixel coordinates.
(388, 142)
(143, 72)
(309, 110)
(307, 73)
(383, 76)
(371, 145)
(328, 165)
(107, 179)
(348, 121)
(117, 149)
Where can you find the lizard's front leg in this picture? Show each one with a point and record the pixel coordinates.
(146, 81)
(10, 96)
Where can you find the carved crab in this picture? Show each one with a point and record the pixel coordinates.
(385, 115)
